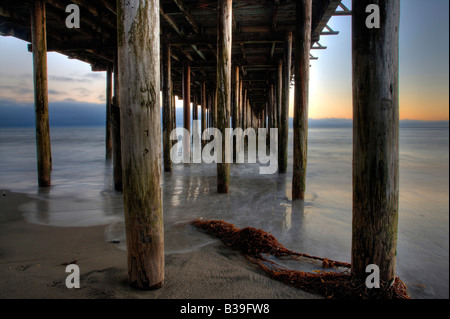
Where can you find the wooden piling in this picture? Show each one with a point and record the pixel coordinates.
(215, 108)
(375, 139)
(174, 110)
(115, 128)
(186, 96)
(109, 93)
(270, 108)
(241, 97)
(195, 107)
(248, 114)
(235, 115)
(138, 46)
(302, 54)
(224, 44)
(244, 110)
(186, 83)
(203, 91)
(279, 94)
(167, 108)
(284, 110)
(39, 43)
(236, 82)
(208, 111)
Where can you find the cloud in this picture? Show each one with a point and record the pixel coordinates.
(95, 75)
(24, 76)
(82, 91)
(62, 78)
(17, 90)
(55, 92)
(70, 100)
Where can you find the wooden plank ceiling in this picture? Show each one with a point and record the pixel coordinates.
(259, 28)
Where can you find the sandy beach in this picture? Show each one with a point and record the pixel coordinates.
(31, 258)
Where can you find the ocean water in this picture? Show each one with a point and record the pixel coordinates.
(82, 196)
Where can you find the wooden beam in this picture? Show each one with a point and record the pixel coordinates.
(89, 23)
(111, 6)
(238, 38)
(276, 5)
(327, 10)
(200, 53)
(187, 14)
(171, 22)
(375, 140)
(301, 91)
(178, 30)
(224, 44)
(272, 50)
(139, 66)
(95, 44)
(96, 12)
(43, 146)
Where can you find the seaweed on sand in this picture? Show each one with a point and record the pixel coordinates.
(255, 243)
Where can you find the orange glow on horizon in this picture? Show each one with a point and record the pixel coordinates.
(412, 107)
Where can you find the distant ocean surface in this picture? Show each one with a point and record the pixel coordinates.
(82, 195)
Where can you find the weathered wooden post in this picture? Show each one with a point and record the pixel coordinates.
(284, 110)
(375, 139)
(302, 54)
(236, 100)
(208, 112)
(39, 43)
(215, 108)
(248, 113)
(224, 34)
(195, 107)
(273, 106)
(203, 109)
(139, 67)
(244, 109)
(174, 110)
(279, 93)
(115, 127)
(235, 115)
(270, 107)
(109, 92)
(211, 110)
(186, 96)
(186, 83)
(167, 108)
(241, 102)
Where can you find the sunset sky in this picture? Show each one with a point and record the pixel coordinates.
(424, 69)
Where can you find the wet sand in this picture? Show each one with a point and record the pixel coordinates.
(31, 258)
